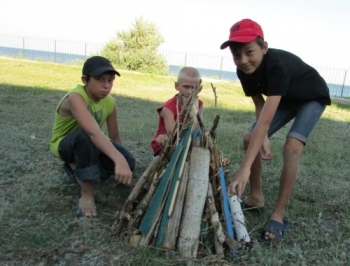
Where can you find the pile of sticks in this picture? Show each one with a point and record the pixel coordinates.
(180, 201)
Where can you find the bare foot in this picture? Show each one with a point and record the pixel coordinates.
(87, 207)
(250, 201)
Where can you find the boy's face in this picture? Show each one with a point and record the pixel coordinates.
(186, 84)
(100, 86)
(249, 57)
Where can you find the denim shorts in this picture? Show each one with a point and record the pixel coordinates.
(305, 117)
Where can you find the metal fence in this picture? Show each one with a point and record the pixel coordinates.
(213, 66)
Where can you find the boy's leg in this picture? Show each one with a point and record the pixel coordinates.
(77, 149)
(291, 157)
(305, 120)
(256, 197)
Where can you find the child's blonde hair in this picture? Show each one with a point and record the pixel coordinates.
(188, 72)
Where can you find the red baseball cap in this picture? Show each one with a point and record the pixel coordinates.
(244, 31)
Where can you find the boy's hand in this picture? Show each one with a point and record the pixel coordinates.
(122, 172)
(239, 182)
(265, 150)
(162, 140)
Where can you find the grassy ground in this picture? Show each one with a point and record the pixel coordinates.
(37, 218)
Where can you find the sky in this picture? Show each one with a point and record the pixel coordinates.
(318, 31)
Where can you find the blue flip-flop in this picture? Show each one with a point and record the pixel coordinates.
(276, 228)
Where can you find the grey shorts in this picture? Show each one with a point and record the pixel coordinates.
(305, 117)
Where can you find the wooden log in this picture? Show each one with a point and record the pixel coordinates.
(196, 193)
(161, 192)
(238, 220)
(124, 215)
(140, 183)
(173, 187)
(219, 236)
(175, 218)
(144, 203)
(146, 238)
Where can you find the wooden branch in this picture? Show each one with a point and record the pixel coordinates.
(214, 126)
(216, 97)
(124, 215)
(140, 184)
(219, 236)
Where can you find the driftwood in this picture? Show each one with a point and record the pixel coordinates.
(124, 215)
(219, 236)
(238, 220)
(175, 217)
(173, 188)
(197, 188)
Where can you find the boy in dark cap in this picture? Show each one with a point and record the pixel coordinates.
(78, 140)
(293, 90)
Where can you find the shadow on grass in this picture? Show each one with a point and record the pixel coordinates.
(37, 213)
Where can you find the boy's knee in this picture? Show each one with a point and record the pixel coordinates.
(292, 147)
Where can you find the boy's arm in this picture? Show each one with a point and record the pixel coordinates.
(259, 102)
(200, 112)
(112, 126)
(262, 126)
(77, 106)
(169, 121)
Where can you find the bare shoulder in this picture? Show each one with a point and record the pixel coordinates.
(65, 107)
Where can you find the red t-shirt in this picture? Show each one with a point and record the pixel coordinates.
(171, 105)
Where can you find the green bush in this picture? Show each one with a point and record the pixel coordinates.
(136, 49)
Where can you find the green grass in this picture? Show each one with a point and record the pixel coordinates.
(37, 221)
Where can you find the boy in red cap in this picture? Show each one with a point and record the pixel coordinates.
(293, 90)
(78, 140)
(188, 78)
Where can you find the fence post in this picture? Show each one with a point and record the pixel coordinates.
(55, 57)
(85, 51)
(342, 88)
(23, 48)
(222, 59)
(185, 59)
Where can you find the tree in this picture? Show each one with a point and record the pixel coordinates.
(136, 49)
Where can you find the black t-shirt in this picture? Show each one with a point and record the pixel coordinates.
(283, 73)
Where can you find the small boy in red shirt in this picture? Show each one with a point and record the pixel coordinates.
(188, 79)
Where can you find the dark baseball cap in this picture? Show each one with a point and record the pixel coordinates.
(244, 31)
(96, 65)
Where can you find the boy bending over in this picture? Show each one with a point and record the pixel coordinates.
(293, 90)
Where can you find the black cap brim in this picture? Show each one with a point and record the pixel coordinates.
(100, 70)
(225, 45)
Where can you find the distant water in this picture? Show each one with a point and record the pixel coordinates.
(336, 90)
